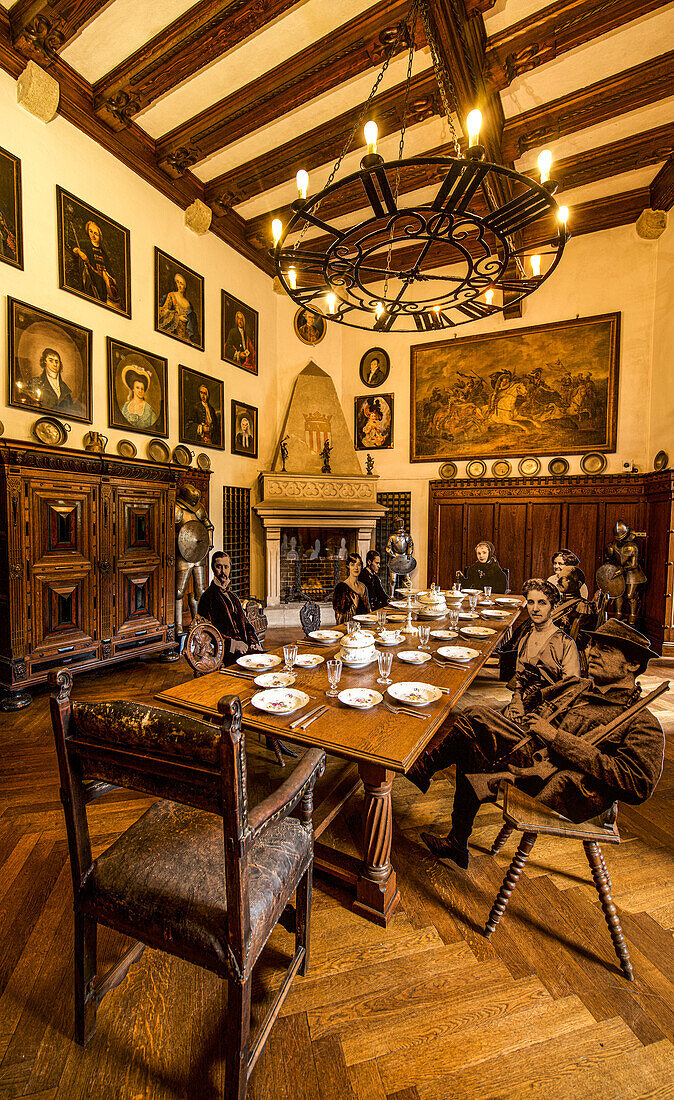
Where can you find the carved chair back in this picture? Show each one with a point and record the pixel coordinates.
(310, 616)
(204, 648)
(256, 617)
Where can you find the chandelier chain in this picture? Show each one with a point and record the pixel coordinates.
(443, 78)
(413, 16)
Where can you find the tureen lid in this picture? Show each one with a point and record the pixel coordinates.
(360, 639)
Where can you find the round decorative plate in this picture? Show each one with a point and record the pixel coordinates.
(529, 467)
(414, 694)
(2, 428)
(495, 614)
(477, 631)
(182, 455)
(509, 601)
(50, 431)
(414, 656)
(593, 463)
(458, 652)
(158, 451)
(447, 471)
(369, 617)
(280, 700)
(558, 466)
(126, 448)
(472, 592)
(325, 637)
(258, 661)
(444, 635)
(661, 461)
(203, 461)
(476, 468)
(308, 660)
(275, 679)
(501, 468)
(362, 698)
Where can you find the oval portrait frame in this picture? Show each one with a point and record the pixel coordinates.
(316, 318)
(383, 370)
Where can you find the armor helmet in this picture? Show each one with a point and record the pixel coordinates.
(189, 494)
(621, 530)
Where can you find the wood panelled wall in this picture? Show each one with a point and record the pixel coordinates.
(528, 519)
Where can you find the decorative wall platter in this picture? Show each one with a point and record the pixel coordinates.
(158, 451)
(2, 428)
(50, 431)
(558, 467)
(501, 468)
(203, 461)
(593, 463)
(182, 455)
(661, 461)
(529, 467)
(126, 448)
(476, 468)
(447, 471)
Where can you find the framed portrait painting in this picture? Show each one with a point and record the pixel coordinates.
(244, 429)
(137, 389)
(373, 422)
(548, 389)
(309, 327)
(178, 301)
(11, 216)
(375, 367)
(49, 363)
(201, 403)
(239, 333)
(94, 254)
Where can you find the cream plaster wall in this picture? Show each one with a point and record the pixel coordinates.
(662, 384)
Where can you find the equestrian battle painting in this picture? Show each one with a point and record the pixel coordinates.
(530, 391)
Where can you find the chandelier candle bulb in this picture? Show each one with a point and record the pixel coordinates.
(302, 180)
(489, 297)
(473, 124)
(536, 265)
(292, 278)
(378, 309)
(331, 300)
(563, 215)
(545, 164)
(370, 130)
(276, 230)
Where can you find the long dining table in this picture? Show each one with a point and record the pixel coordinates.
(375, 744)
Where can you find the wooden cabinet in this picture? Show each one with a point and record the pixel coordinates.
(527, 519)
(87, 560)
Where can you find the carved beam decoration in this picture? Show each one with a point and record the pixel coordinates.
(478, 7)
(40, 28)
(318, 146)
(662, 187)
(194, 40)
(645, 83)
(625, 155)
(356, 47)
(553, 31)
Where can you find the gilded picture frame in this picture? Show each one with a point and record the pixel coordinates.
(137, 389)
(373, 421)
(94, 254)
(49, 363)
(11, 210)
(201, 409)
(178, 301)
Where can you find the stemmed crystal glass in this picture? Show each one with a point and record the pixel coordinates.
(290, 655)
(384, 660)
(334, 671)
(453, 618)
(381, 618)
(424, 636)
(487, 594)
(472, 602)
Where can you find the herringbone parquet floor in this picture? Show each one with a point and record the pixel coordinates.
(424, 1009)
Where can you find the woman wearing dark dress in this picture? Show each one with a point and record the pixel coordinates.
(350, 596)
(486, 571)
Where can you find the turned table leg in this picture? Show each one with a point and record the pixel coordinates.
(376, 888)
(510, 881)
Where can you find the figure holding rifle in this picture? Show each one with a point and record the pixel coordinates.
(584, 745)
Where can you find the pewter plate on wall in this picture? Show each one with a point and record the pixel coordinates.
(50, 431)
(447, 471)
(529, 467)
(661, 461)
(501, 468)
(476, 468)
(558, 467)
(593, 463)
(182, 455)
(158, 451)
(203, 461)
(126, 448)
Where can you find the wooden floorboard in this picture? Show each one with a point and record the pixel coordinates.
(424, 1009)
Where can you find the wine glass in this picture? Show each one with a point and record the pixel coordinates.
(487, 594)
(381, 618)
(334, 671)
(290, 655)
(424, 636)
(453, 618)
(472, 602)
(384, 660)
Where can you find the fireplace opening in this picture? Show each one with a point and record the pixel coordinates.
(313, 561)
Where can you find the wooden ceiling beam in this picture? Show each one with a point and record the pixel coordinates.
(206, 31)
(626, 155)
(356, 47)
(325, 142)
(39, 29)
(626, 91)
(662, 187)
(548, 33)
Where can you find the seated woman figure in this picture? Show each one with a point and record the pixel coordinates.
(350, 596)
(560, 559)
(221, 607)
(486, 571)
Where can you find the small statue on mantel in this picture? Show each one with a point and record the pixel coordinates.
(325, 455)
(283, 445)
(369, 465)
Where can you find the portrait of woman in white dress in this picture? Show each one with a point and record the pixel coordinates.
(137, 382)
(137, 409)
(373, 429)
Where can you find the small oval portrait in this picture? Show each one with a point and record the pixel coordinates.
(374, 367)
(310, 327)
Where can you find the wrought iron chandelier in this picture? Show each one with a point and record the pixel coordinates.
(455, 258)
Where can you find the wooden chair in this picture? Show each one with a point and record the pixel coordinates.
(310, 616)
(199, 876)
(529, 817)
(204, 648)
(256, 617)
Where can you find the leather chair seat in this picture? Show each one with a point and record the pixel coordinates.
(165, 878)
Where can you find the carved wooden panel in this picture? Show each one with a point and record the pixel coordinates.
(61, 523)
(63, 611)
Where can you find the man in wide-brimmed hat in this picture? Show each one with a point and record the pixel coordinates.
(588, 778)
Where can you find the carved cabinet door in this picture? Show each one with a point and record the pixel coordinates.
(139, 544)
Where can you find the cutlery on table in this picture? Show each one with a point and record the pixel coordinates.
(319, 714)
(403, 710)
(303, 718)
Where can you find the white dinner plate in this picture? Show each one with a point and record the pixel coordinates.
(258, 661)
(326, 637)
(446, 634)
(280, 700)
(404, 604)
(472, 592)
(495, 614)
(414, 656)
(370, 617)
(413, 694)
(361, 698)
(509, 601)
(394, 618)
(458, 652)
(468, 614)
(275, 679)
(308, 660)
(426, 614)
(477, 631)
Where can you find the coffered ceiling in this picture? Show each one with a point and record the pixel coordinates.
(224, 100)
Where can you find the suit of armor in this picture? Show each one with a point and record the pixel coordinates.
(623, 552)
(190, 562)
